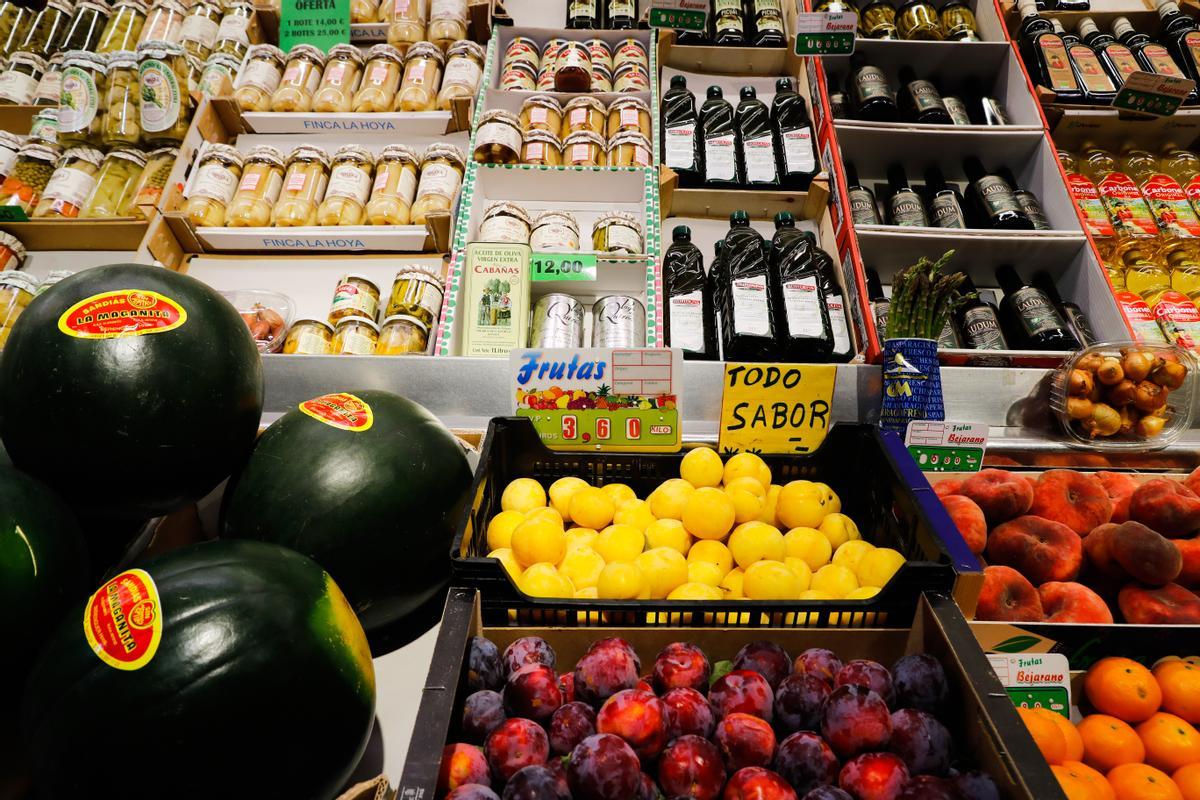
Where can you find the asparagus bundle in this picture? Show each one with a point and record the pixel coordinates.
(922, 299)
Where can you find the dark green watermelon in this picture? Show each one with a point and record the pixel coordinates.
(257, 683)
(367, 483)
(144, 421)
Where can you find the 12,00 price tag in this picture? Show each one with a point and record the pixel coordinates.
(564, 266)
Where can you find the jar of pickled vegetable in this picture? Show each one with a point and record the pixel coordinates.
(541, 113)
(504, 222)
(44, 127)
(71, 185)
(308, 337)
(631, 78)
(498, 139)
(49, 88)
(447, 22)
(363, 11)
(402, 335)
(380, 79)
(629, 114)
(395, 186)
(584, 149)
(233, 34)
(584, 114)
(198, 33)
(10, 145)
(114, 183)
(417, 293)
(166, 109)
(219, 170)
(303, 189)
(124, 27)
(15, 19)
(216, 79)
(300, 79)
(422, 77)
(629, 149)
(442, 168)
(48, 30)
(81, 107)
(17, 290)
(349, 187)
(555, 232)
(259, 79)
(164, 23)
(917, 19)
(406, 22)
(86, 26)
(148, 190)
(339, 80)
(464, 72)
(541, 148)
(29, 176)
(355, 296)
(602, 78)
(355, 336)
(617, 232)
(122, 117)
(262, 180)
(19, 81)
(12, 252)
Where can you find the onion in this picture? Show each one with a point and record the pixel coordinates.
(1137, 365)
(1105, 420)
(1149, 396)
(1170, 374)
(1123, 393)
(1150, 426)
(1080, 382)
(1079, 407)
(1110, 371)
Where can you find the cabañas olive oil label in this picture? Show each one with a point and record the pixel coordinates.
(125, 312)
(123, 620)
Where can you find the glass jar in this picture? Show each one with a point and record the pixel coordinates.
(164, 23)
(584, 149)
(630, 51)
(464, 72)
(416, 293)
(114, 183)
(48, 30)
(498, 140)
(124, 27)
(958, 22)
(600, 52)
(49, 88)
(442, 168)
(541, 148)
(259, 79)
(233, 34)
(71, 184)
(349, 187)
(300, 79)
(166, 108)
(29, 176)
(81, 104)
(541, 113)
(218, 172)
(917, 19)
(504, 222)
(86, 26)
(10, 145)
(550, 52)
(617, 232)
(602, 78)
(522, 50)
(363, 12)
(148, 191)
(545, 78)
(258, 191)
(406, 22)
(422, 77)
(631, 78)
(573, 69)
(402, 335)
(198, 33)
(583, 114)
(216, 79)
(44, 127)
(380, 80)
(15, 19)
(355, 336)
(19, 81)
(52, 278)
(12, 252)
(519, 78)
(303, 188)
(355, 296)
(308, 337)
(122, 115)
(555, 232)
(339, 80)
(395, 186)
(447, 22)
(629, 114)
(629, 149)
(17, 290)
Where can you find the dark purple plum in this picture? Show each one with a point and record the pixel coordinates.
(528, 650)
(604, 671)
(691, 766)
(874, 776)
(820, 662)
(483, 712)
(532, 692)
(604, 767)
(570, 725)
(855, 720)
(461, 764)
(757, 783)
(647, 788)
(566, 685)
(974, 786)
(920, 682)
(799, 700)
(639, 718)
(745, 741)
(742, 691)
(473, 791)
(871, 674)
(767, 659)
(690, 713)
(806, 761)
(618, 642)
(926, 787)
(680, 665)
(534, 783)
(827, 793)
(515, 744)
(922, 741)
(485, 667)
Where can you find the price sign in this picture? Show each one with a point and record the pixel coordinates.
(1150, 93)
(828, 33)
(1035, 681)
(563, 266)
(776, 408)
(939, 446)
(13, 214)
(321, 23)
(683, 15)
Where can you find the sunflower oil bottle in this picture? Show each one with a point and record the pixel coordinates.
(1135, 234)
(1178, 225)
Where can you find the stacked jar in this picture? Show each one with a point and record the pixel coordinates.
(564, 65)
(557, 231)
(582, 133)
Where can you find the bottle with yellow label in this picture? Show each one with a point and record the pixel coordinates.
(1183, 166)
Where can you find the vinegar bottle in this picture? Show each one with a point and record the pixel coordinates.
(835, 302)
(679, 125)
(755, 142)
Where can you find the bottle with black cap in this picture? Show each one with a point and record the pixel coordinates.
(862, 200)
(583, 14)
(755, 142)
(880, 305)
(746, 329)
(1076, 320)
(795, 146)
(990, 200)
(904, 204)
(620, 15)
(835, 302)
(800, 314)
(982, 109)
(679, 128)
(1027, 200)
(719, 141)
(1179, 32)
(1045, 54)
(1097, 87)
(768, 23)
(690, 318)
(1030, 317)
(920, 101)
(1150, 54)
(1116, 59)
(979, 321)
(870, 96)
(945, 207)
(729, 23)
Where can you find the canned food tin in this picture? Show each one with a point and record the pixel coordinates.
(522, 49)
(557, 322)
(520, 77)
(618, 320)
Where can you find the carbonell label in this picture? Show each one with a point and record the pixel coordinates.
(1141, 318)
(1170, 206)
(1179, 319)
(1126, 209)
(1087, 198)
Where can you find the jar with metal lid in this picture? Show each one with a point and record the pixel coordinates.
(600, 52)
(15, 19)
(522, 50)
(631, 78)
(519, 78)
(545, 79)
(308, 337)
(233, 34)
(617, 232)
(349, 187)
(124, 27)
(355, 296)
(541, 112)
(86, 26)
(258, 191)
(504, 222)
(442, 168)
(339, 80)
(498, 140)
(629, 114)
(164, 23)
(402, 335)
(44, 127)
(584, 149)
(12, 252)
(198, 33)
(363, 12)
(555, 232)
(406, 22)
(81, 104)
(71, 184)
(10, 145)
(550, 52)
(355, 336)
(218, 172)
(53, 277)
(259, 79)
(602, 78)
(29, 176)
(114, 183)
(573, 69)
(300, 79)
(303, 189)
(49, 88)
(122, 103)
(422, 77)
(166, 107)
(216, 79)
(447, 22)
(630, 51)
(584, 114)
(395, 186)
(464, 72)
(541, 148)
(19, 81)
(380, 79)
(151, 184)
(17, 290)
(629, 149)
(417, 293)
(48, 30)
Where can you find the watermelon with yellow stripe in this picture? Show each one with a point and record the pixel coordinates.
(223, 669)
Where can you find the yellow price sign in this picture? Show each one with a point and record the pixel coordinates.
(776, 408)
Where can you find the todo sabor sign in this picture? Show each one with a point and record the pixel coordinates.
(776, 408)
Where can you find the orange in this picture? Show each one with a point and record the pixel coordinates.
(1074, 741)
(1171, 742)
(1180, 684)
(1108, 742)
(1188, 780)
(1123, 688)
(1046, 735)
(1081, 782)
(1142, 782)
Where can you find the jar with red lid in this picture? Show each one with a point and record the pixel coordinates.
(573, 69)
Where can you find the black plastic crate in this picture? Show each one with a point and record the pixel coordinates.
(880, 487)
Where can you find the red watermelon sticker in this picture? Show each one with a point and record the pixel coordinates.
(126, 312)
(123, 620)
(340, 410)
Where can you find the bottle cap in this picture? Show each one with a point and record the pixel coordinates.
(748, 93)
(1058, 27)
(785, 219)
(1027, 8)
(678, 82)
(714, 92)
(1087, 26)
(682, 233)
(783, 85)
(1122, 26)
(1166, 7)
(738, 217)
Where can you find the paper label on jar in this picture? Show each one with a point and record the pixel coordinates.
(199, 28)
(837, 321)
(760, 159)
(641, 156)
(535, 151)
(502, 228)
(353, 343)
(260, 74)
(499, 133)
(341, 410)
(69, 187)
(623, 240)
(553, 238)
(750, 315)
(121, 313)
(462, 72)
(78, 100)
(233, 27)
(7, 159)
(49, 88)
(346, 180)
(798, 152)
(415, 73)
(577, 117)
(406, 188)
(687, 322)
(160, 95)
(448, 9)
(580, 155)
(295, 181)
(216, 182)
(681, 146)
(629, 118)
(410, 9)
(718, 158)
(214, 80)
(378, 75)
(538, 114)
(17, 87)
(252, 179)
(336, 73)
(349, 297)
(802, 302)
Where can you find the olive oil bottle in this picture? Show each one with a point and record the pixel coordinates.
(718, 140)
(904, 204)
(991, 200)
(1115, 58)
(867, 87)
(1097, 87)
(862, 200)
(747, 332)
(945, 206)
(678, 131)
(755, 142)
(795, 147)
(1045, 54)
(800, 315)
(690, 322)
(919, 100)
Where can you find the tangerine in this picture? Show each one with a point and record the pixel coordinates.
(1046, 735)
(1180, 684)
(1142, 782)
(1123, 688)
(1188, 780)
(1109, 742)
(1171, 742)
(1081, 782)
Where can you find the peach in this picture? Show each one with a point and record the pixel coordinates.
(1145, 555)
(1189, 552)
(947, 488)
(1164, 605)
(1041, 549)
(1064, 601)
(1120, 488)
(1097, 547)
(1008, 597)
(1076, 500)
(967, 516)
(1167, 506)
(999, 493)
(1192, 481)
